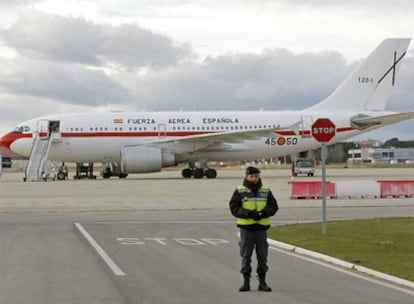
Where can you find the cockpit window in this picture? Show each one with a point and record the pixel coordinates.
(21, 129)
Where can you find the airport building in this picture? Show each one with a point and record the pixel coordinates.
(381, 155)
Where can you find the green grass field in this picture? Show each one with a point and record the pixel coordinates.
(386, 245)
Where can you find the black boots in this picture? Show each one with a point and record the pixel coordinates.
(262, 283)
(246, 284)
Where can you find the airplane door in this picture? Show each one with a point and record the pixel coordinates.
(306, 125)
(54, 131)
(162, 130)
(46, 127)
(54, 126)
(42, 128)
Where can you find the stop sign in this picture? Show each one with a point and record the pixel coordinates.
(323, 130)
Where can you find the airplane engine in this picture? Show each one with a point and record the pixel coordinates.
(145, 159)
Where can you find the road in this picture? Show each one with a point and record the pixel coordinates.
(151, 240)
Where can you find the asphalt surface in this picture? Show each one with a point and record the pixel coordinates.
(160, 239)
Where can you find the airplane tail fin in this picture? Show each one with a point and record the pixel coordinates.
(369, 86)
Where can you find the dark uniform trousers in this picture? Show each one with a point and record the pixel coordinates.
(248, 241)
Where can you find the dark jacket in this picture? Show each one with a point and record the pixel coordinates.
(238, 211)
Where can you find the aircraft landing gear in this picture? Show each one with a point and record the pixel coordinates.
(199, 173)
(84, 171)
(187, 173)
(113, 169)
(210, 173)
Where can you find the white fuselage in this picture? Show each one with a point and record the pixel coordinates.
(99, 137)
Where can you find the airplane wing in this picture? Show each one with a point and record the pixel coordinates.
(363, 122)
(215, 140)
(227, 136)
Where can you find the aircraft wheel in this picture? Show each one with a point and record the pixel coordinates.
(187, 173)
(107, 173)
(198, 173)
(211, 173)
(123, 175)
(61, 176)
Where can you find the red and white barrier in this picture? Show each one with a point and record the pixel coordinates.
(397, 188)
(311, 190)
(351, 189)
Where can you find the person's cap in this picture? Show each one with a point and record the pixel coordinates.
(252, 170)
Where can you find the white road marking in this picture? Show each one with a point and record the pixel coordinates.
(164, 222)
(166, 241)
(102, 253)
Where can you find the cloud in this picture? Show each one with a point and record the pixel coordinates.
(71, 84)
(274, 80)
(25, 107)
(399, 5)
(52, 37)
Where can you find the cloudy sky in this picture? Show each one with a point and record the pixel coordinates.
(67, 56)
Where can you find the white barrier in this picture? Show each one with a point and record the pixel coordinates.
(357, 189)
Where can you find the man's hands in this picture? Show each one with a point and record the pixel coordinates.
(254, 215)
(257, 215)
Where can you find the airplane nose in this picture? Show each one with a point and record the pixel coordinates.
(8, 139)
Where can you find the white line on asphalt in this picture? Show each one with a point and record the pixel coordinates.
(164, 222)
(188, 222)
(111, 264)
(346, 271)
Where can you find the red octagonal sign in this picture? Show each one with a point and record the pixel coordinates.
(323, 130)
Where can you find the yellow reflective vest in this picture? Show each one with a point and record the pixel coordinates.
(252, 202)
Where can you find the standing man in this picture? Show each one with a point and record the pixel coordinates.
(253, 204)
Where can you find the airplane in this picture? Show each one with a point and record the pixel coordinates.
(143, 142)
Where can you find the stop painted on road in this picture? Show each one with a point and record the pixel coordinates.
(168, 241)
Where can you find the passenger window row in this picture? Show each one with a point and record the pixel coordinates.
(193, 128)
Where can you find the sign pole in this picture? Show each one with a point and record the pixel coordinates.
(323, 130)
(323, 156)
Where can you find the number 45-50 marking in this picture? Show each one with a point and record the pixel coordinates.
(280, 141)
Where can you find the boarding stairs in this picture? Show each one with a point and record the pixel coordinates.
(37, 166)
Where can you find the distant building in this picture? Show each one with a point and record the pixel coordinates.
(381, 155)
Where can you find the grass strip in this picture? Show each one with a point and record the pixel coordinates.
(385, 244)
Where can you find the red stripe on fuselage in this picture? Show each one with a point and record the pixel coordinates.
(9, 138)
(308, 132)
(286, 133)
(344, 129)
(132, 134)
